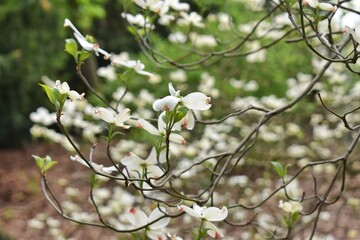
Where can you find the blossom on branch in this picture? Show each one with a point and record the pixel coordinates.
(136, 65)
(64, 88)
(136, 166)
(112, 118)
(208, 215)
(139, 219)
(193, 101)
(322, 6)
(160, 131)
(84, 42)
(354, 34)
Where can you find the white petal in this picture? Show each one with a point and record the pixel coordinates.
(177, 138)
(122, 116)
(155, 214)
(173, 92)
(85, 44)
(132, 162)
(151, 159)
(136, 217)
(188, 121)
(215, 214)
(355, 36)
(109, 169)
(68, 23)
(165, 104)
(105, 114)
(189, 211)
(197, 101)
(312, 3)
(154, 171)
(161, 123)
(327, 7)
(212, 230)
(142, 123)
(155, 234)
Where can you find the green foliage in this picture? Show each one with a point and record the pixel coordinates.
(44, 164)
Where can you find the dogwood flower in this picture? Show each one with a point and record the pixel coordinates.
(159, 7)
(138, 19)
(88, 46)
(193, 19)
(193, 101)
(136, 65)
(97, 167)
(177, 6)
(161, 130)
(136, 166)
(290, 207)
(112, 118)
(322, 6)
(64, 88)
(208, 215)
(138, 219)
(354, 34)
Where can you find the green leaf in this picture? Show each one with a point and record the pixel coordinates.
(52, 94)
(180, 114)
(167, 117)
(44, 164)
(279, 168)
(93, 180)
(83, 55)
(72, 48)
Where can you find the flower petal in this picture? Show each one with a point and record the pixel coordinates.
(177, 138)
(172, 91)
(155, 214)
(165, 104)
(136, 217)
(214, 214)
(190, 211)
(122, 116)
(105, 114)
(142, 123)
(82, 41)
(212, 230)
(188, 121)
(197, 101)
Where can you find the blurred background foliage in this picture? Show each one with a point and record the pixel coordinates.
(32, 44)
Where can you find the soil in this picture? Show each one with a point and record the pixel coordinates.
(21, 198)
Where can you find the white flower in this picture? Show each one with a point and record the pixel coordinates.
(112, 118)
(177, 6)
(84, 43)
(138, 219)
(177, 37)
(138, 19)
(107, 72)
(355, 34)
(160, 131)
(156, 6)
(97, 167)
(290, 207)
(202, 40)
(193, 101)
(64, 88)
(42, 115)
(136, 166)
(322, 6)
(208, 215)
(193, 19)
(136, 65)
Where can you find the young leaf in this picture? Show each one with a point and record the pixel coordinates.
(278, 168)
(52, 94)
(180, 114)
(83, 55)
(72, 48)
